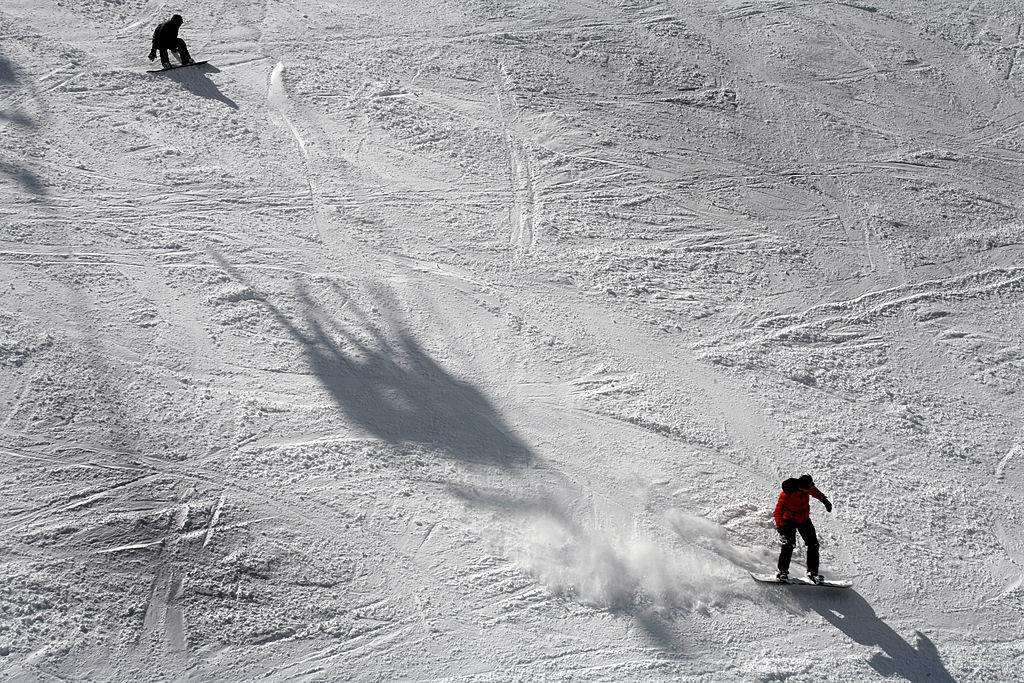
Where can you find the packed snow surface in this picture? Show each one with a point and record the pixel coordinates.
(472, 340)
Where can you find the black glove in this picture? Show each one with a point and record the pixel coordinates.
(152, 55)
(828, 504)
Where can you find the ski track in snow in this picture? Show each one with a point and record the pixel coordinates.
(472, 341)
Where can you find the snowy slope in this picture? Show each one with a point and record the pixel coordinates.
(472, 340)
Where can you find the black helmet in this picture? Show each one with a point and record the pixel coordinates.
(177, 19)
(806, 482)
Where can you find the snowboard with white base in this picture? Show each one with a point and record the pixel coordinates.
(802, 581)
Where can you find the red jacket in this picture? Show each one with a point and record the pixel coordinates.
(794, 507)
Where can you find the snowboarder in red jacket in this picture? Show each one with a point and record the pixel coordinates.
(793, 514)
(165, 38)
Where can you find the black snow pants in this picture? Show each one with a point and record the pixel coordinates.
(810, 537)
(178, 46)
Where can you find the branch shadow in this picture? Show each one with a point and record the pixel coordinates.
(387, 384)
(9, 76)
(20, 174)
(26, 179)
(18, 119)
(849, 612)
(193, 79)
(7, 73)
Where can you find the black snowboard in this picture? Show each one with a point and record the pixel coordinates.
(801, 581)
(176, 66)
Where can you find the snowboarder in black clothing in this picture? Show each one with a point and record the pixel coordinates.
(165, 38)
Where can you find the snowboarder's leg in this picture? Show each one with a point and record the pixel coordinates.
(788, 532)
(182, 49)
(165, 61)
(810, 537)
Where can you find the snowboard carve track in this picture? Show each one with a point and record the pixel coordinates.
(213, 521)
(163, 626)
(1014, 53)
(163, 639)
(525, 209)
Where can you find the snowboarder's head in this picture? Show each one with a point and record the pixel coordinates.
(176, 19)
(806, 483)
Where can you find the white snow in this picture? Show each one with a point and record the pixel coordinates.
(472, 341)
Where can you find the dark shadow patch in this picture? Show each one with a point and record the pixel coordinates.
(17, 119)
(8, 74)
(26, 179)
(9, 77)
(658, 631)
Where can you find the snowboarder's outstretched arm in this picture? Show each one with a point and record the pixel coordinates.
(821, 496)
(793, 506)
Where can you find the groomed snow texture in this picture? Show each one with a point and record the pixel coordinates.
(472, 341)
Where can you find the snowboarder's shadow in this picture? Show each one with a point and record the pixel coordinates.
(854, 616)
(193, 79)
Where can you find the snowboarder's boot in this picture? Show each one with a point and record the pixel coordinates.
(166, 65)
(782, 575)
(816, 578)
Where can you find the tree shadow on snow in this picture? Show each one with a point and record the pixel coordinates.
(18, 119)
(26, 179)
(854, 616)
(7, 72)
(387, 384)
(193, 79)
